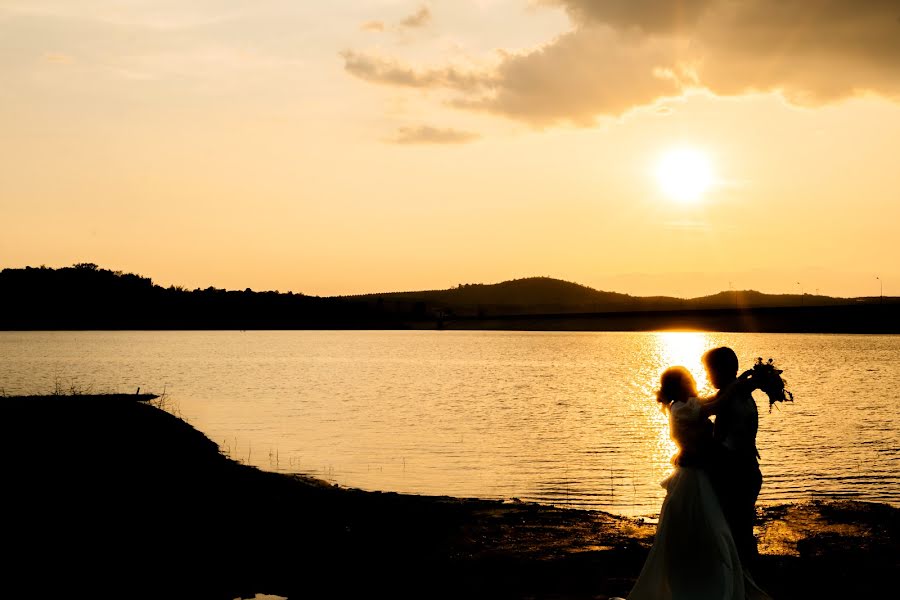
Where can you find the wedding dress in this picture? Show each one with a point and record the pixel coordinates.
(693, 556)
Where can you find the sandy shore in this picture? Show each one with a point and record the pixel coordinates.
(111, 497)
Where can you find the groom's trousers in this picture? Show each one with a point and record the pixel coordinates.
(737, 481)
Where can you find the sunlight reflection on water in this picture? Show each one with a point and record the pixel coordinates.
(562, 418)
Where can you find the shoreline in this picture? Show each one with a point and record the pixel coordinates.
(861, 319)
(119, 498)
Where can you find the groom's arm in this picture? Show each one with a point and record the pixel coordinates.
(713, 404)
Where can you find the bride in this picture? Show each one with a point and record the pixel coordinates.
(693, 556)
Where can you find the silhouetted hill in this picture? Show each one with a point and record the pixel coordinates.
(528, 295)
(754, 299)
(543, 295)
(85, 296)
(529, 290)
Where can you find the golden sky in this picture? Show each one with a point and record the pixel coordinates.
(352, 146)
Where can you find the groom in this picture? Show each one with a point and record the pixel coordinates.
(735, 470)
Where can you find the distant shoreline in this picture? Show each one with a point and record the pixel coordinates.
(85, 297)
(847, 319)
(868, 319)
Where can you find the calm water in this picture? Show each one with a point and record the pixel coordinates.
(559, 418)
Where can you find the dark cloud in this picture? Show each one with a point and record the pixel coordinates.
(624, 54)
(420, 18)
(647, 15)
(813, 50)
(425, 134)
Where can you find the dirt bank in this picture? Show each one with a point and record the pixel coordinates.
(112, 497)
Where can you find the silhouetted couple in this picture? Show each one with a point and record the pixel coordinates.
(704, 541)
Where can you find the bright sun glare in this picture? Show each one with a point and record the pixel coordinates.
(684, 174)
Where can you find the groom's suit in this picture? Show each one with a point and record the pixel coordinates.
(735, 470)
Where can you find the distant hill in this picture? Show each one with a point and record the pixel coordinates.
(548, 295)
(528, 295)
(529, 290)
(754, 299)
(85, 296)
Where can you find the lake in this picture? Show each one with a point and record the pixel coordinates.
(558, 418)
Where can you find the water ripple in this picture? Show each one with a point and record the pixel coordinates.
(561, 418)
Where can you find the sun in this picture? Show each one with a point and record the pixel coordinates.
(684, 174)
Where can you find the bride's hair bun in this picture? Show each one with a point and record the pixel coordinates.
(673, 383)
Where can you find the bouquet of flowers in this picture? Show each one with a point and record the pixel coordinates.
(767, 377)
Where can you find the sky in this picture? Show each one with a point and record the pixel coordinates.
(361, 146)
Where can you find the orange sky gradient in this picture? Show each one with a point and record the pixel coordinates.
(385, 145)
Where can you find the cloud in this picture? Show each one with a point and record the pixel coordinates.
(624, 54)
(390, 72)
(374, 26)
(420, 18)
(647, 15)
(813, 51)
(425, 134)
(580, 75)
